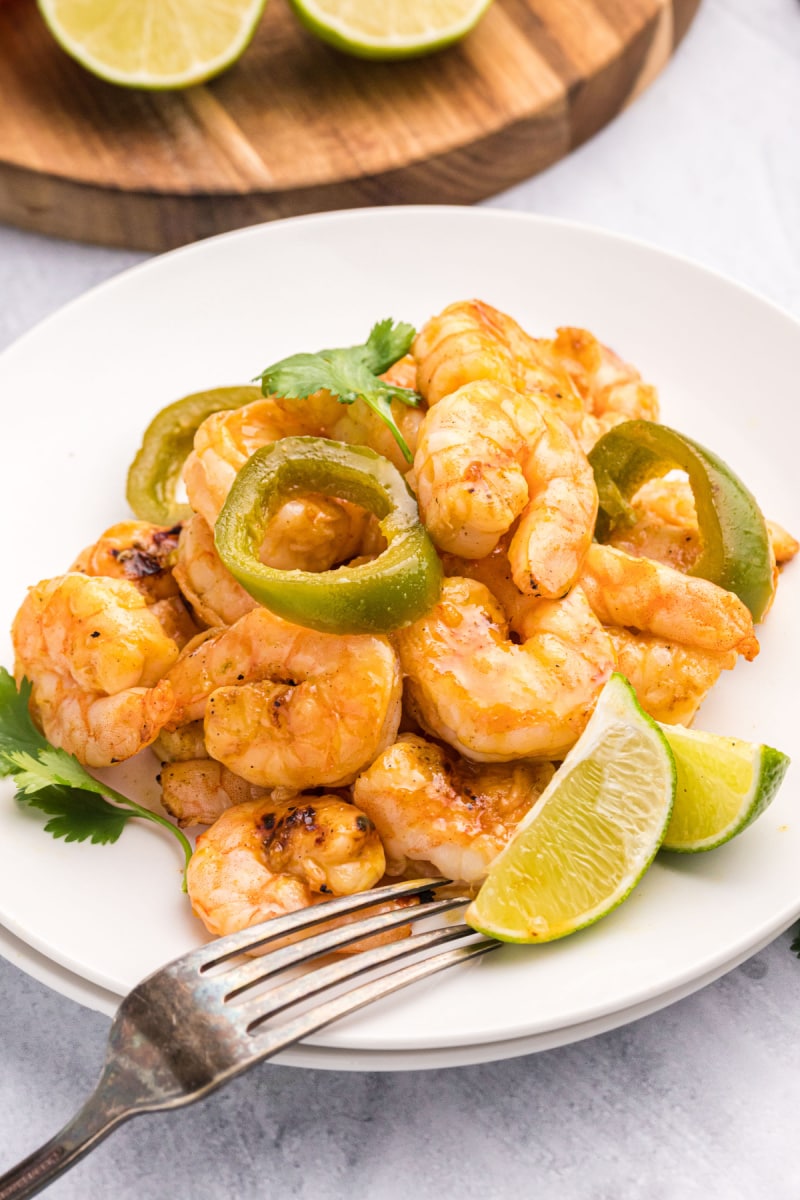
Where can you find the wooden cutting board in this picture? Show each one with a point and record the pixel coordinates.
(296, 127)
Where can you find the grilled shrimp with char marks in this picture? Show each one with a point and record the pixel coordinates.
(264, 858)
(137, 551)
(433, 809)
(287, 706)
(95, 656)
(144, 555)
(488, 457)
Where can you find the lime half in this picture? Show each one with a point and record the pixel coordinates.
(151, 43)
(723, 785)
(393, 29)
(592, 835)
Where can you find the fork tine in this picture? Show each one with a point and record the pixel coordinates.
(247, 975)
(214, 953)
(283, 995)
(172, 1041)
(323, 1014)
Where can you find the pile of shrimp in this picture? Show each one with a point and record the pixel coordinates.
(323, 764)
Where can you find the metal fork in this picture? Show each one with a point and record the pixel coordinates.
(203, 1018)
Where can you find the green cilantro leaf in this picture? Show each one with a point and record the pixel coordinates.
(796, 942)
(387, 342)
(79, 816)
(350, 373)
(17, 730)
(50, 779)
(50, 766)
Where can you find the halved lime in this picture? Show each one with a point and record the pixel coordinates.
(723, 785)
(392, 29)
(592, 835)
(150, 43)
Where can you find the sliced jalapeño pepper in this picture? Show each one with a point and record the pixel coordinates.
(394, 589)
(154, 473)
(735, 551)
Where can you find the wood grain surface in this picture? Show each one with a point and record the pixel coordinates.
(297, 127)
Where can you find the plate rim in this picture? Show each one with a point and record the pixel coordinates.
(310, 1055)
(378, 212)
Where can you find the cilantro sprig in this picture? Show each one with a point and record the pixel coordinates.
(80, 807)
(795, 946)
(350, 373)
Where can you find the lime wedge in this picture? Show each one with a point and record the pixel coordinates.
(150, 43)
(592, 835)
(393, 29)
(723, 785)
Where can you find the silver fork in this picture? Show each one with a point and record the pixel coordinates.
(203, 1018)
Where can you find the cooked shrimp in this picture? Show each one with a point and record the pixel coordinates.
(487, 457)
(403, 373)
(471, 341)
(143, 554)
(214, 594)
(197, 791)
(784, 546)
(176, 621)
(287, 706)
(494, 572)
(226, 440)
(264, 858)
(95, 655)
(308, 532)
(493, 700)
(181, 744)
(648, 596)
(314, 533)
(670, 680)
(137, 551)
(665, 527)
(294, 538)
(583, 382)
(607, 384)
(432, 808)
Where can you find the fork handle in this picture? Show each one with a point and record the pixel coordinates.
(88, 1127)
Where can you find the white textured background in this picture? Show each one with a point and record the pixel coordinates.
(701, 1100)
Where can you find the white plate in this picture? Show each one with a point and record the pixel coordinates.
(82, 386)
(331, 1058)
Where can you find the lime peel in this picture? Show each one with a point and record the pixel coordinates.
(592, 835)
